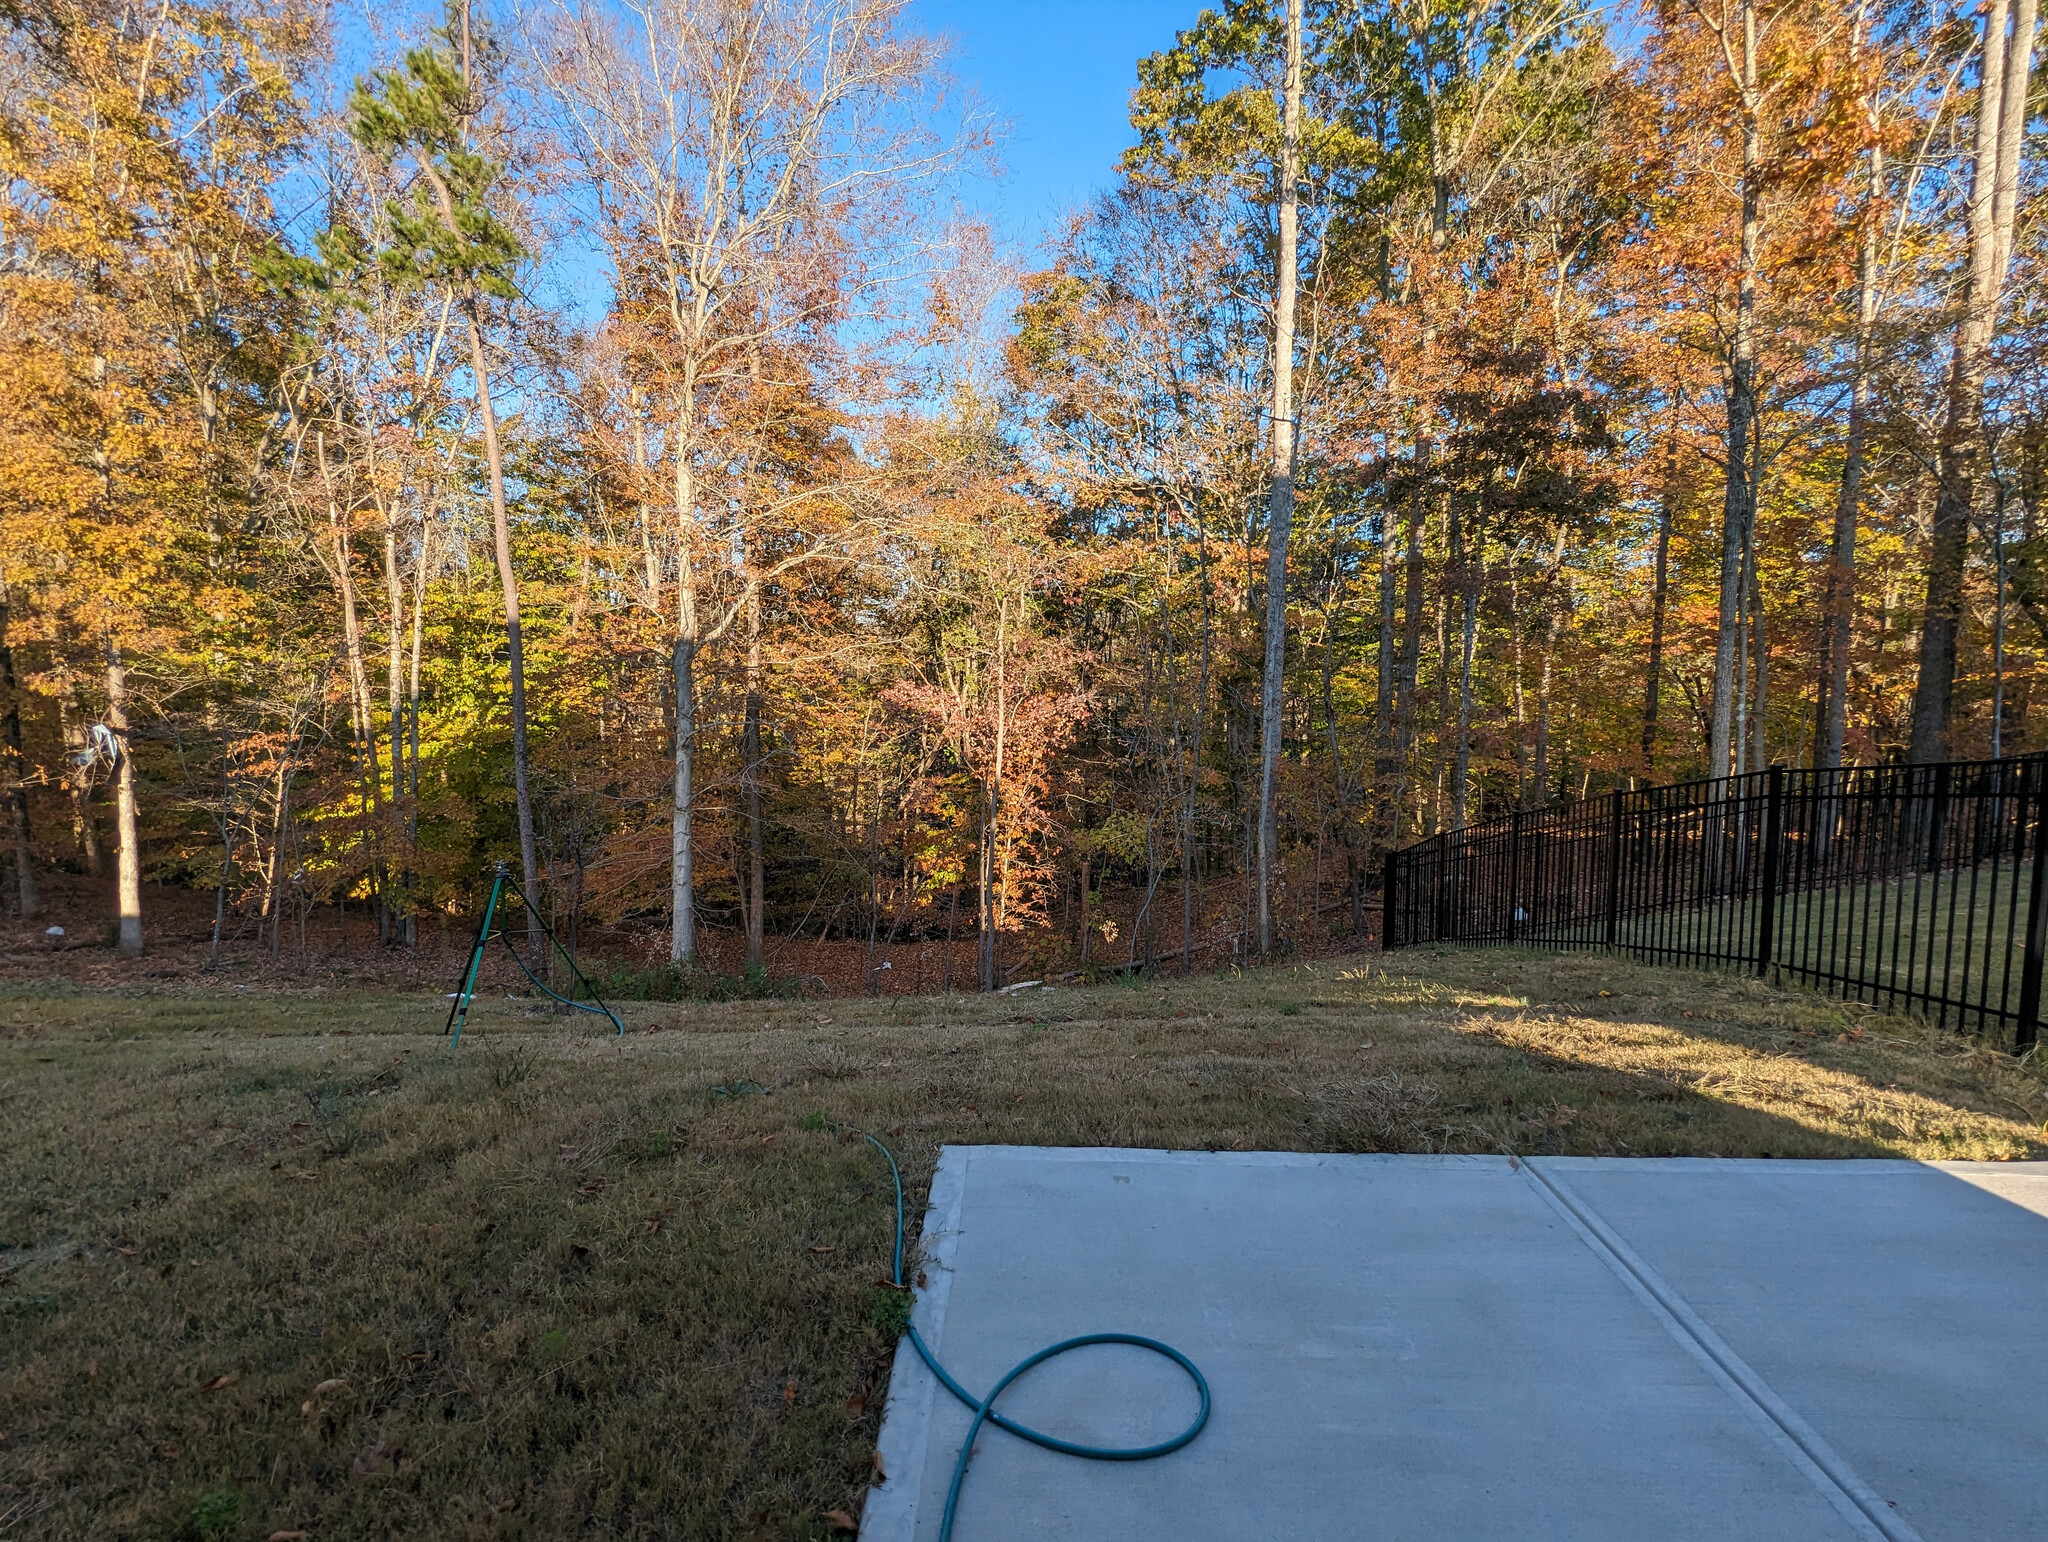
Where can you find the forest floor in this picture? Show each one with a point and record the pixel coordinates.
(283, 1264)
(329, 948)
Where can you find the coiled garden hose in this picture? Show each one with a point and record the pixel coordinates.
(984, 1407)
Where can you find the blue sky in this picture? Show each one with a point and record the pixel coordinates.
(1061, 72)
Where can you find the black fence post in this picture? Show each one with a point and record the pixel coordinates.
(2025, 1031)
(1767, 908)
(1514, 876)
(1934, 825)
(1613, 930)
(1387, 899)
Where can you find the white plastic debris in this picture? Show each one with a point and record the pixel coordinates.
(53, 931)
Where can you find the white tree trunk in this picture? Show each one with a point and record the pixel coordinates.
(128, 861)
(1280, 506)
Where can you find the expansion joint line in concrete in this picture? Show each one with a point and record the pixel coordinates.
(1837, 1481)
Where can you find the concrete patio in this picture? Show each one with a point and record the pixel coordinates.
(1418, 1347)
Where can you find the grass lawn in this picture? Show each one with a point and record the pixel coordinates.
(1946, 934)
(282, 1263)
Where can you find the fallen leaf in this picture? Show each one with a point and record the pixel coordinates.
(767, 1140)
(828, 1248)
(789, 1394)
(218, 1382)
(332, 1384)
(880, 1476)
(856, 1406)
(300, 1124)
(373, 1459)
(651, 1224)
(166, 1271)
(839, 1520)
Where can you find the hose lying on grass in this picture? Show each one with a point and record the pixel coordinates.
(984, 1407)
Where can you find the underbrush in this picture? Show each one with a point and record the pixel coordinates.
(678, 982)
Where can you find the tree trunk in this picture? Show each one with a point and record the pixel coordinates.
(13, 774)
(273, 874)
(1468, 584)
(682, 874)
(992, 800)
(1760, 643)
(1280, 506)
(750, 754)
(78, 779)
(128, 861)
(1383, 685)
(984, 893)
(1839, 593)
(1520, 684)
(1407, 665)
(1738, 509)
(1659, 605)
(2001, 113)
(412, 727)
(361, 713)
(682, 890)
(508, 581)
(394, 711)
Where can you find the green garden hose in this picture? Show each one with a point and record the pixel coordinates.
(984, 1407)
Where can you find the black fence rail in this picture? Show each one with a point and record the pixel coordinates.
(1918, 887)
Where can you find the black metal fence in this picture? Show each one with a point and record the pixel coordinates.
(1917, 887)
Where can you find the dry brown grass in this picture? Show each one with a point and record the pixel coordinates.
(285, 1263)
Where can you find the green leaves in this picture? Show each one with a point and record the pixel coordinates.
(442, 232)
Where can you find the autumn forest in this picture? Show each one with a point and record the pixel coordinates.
(592, 436)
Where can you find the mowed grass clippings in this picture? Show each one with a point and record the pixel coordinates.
(288, 1264)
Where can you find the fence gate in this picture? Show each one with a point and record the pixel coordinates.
(1906, 886)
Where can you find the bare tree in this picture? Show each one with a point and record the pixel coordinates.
(748, 162)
